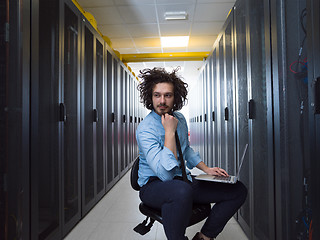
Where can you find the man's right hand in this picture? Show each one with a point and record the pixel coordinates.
(169, 123)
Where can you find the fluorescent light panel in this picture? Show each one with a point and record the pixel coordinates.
(178, 41)
(175, 15)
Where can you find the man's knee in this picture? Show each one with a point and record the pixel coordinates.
(242, 191)
(183, 191)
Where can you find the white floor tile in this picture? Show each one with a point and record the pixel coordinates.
(115, 216)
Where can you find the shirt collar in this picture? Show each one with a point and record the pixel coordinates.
(156, 115)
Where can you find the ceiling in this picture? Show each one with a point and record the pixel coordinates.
(135, 26)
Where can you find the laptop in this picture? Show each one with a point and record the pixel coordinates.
(223, 179)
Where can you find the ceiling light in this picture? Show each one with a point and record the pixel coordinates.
(175, 16)
(180, 41)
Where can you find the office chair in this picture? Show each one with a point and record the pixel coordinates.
(199, 211)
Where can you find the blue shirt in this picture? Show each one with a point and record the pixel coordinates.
(156, 159)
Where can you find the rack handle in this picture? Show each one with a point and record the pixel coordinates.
(63, 113)
(95, 115)
(226, 114)
(251, 109)
(317, 96)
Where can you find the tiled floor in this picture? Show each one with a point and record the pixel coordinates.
(115, 216)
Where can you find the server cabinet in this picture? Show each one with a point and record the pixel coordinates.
(87, 143)
(290, 93)
(109, 118)
(260, 122)
(15, 19)
(115, 111)
(120, 107)
(70, 115)
(209, 114)
(46, 134)
(313, 41)
(4, 75)
(215, 107)
(221, 105)
(127, 120)
(241, 105)
(92, 118)
(130, 90)
(214, 90)
(228, 111)
(205, 112)
(55, 110)
(99, 118)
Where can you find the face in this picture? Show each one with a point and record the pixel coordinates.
(163, 98)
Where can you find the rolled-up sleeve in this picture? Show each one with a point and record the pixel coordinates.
(160, 159)
(192, 157)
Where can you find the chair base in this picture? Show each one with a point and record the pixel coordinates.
(144, 227)
(199, 213)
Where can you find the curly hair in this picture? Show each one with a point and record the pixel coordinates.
(151, 77)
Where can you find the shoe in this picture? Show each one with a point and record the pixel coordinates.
(197, 237)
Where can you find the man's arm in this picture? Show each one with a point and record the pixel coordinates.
(212, 171)
(170, 123)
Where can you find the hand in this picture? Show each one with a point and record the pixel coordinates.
(169, 123)
(216, 171)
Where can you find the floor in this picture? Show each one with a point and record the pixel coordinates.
(115, 216)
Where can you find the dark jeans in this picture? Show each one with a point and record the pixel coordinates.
(176, 197)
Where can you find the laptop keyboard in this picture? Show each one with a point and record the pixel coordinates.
(223, 178)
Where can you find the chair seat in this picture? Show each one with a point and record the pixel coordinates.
(199, 212)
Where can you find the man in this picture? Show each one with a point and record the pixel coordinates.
(159, 170)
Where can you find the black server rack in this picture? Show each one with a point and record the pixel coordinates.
(46, 129)
(60, 113)
(99, 119)
(4, 75)
(215, 108)
(92, 140)
(313, 40)
(220, 104)
(210, 158)
(109, 118)
(259, 97)
(115, 125)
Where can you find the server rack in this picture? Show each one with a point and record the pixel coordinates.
(215, 107)
(15, 118)
(92, 141)
(210, 158)
(268, 94)
(57, 118)
(313, 40)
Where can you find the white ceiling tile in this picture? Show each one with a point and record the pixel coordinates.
(188, 8)
(137, 14)
(174, 64)
(122, 43)
(206, 48)
(105, 15)
(95, 3)
(169, 50)
(147, 42)
(133, 2)
(175, 29)
(143, 30)
(149, 50)
(159, 2)
(201, 41)
(154, 64)
(206, 28)
(212, 12)
(216, 1)
(126, 50)
(114, 31)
